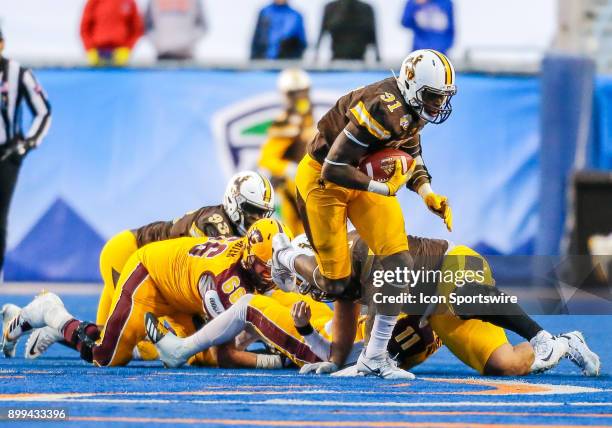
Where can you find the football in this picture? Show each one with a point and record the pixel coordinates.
(380, 165)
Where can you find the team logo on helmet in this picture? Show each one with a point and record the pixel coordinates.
(410, 66)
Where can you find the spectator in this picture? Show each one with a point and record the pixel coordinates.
(279, 33)
(352, 28)
(175, 27)
(432, 23)
(110, 29)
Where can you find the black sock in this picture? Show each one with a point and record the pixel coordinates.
(507, 315)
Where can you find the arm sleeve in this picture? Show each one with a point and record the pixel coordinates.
(86, 24)
(38, 105)
(408, 16)
(320, 346)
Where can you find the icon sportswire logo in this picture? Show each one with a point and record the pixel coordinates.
(240, 128)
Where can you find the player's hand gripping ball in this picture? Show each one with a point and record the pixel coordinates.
(390, 166)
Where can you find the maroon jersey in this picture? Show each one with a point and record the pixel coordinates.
(382, 118)
(206, 221)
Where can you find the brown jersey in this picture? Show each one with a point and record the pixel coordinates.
(206, 221)
(383, 119)
(427, 254)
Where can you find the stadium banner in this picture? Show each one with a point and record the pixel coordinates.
(127, 147)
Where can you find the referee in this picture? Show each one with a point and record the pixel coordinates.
(17, 84)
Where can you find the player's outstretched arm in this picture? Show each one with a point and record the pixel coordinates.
(437, 204)
(230, 357)
(344, 328)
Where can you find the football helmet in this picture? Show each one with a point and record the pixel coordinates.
(294, 84)
(248, 197)
(427, 83)
(257, 255)
(293, 79)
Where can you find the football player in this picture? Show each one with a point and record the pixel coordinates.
(272, 318)
(248, 197)
(286, 143)
(177, 279)
(331, 189)
(474, 334)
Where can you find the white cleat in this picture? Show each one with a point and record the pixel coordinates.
(580, 354)
(383, 366)
(9, 314)
(40, 340)
(169, 346)
(548, 351)
(46, 309)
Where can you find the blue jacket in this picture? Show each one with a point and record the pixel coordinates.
(432, 22)
(279, 33)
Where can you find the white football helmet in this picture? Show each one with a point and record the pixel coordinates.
(248, 198)
(293, 79)
(427, 82)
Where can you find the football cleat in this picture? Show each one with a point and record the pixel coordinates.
(46, 309)
(548, 351)
(40, 340)
(580, 354)
(382, 366)
(10, 314)
(168, 345)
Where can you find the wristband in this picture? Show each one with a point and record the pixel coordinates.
(306, 330)
(380, 188)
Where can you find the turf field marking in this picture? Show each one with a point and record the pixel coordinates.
(511, 387)
(476, 413)
(318, 423)
(102, 398)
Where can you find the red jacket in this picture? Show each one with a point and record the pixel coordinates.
(111, 24)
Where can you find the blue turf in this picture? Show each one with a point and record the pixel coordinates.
(135, 394)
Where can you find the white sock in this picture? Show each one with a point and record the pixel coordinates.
(221, 329)
(57, 317)
(381, 333)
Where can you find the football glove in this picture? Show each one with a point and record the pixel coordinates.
(324, 367)
(399, 178)
(439, 205)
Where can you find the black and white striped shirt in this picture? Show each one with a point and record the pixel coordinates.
(18, 84)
